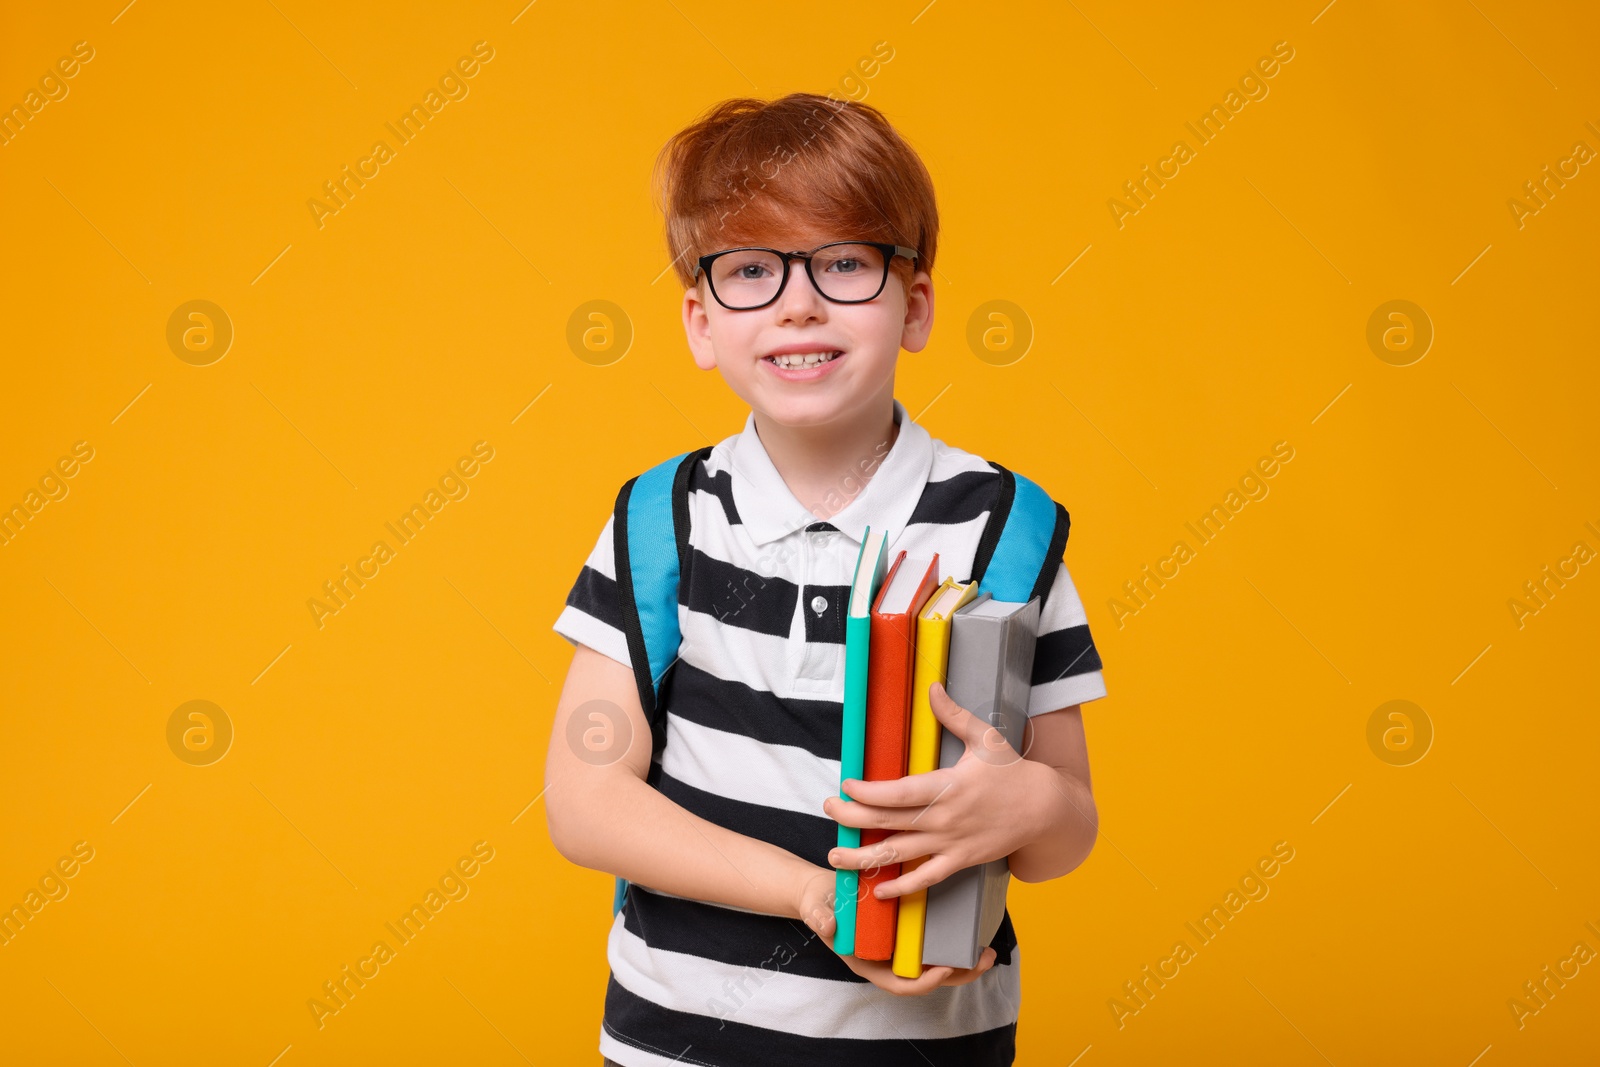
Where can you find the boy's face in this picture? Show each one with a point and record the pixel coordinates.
(854, 385)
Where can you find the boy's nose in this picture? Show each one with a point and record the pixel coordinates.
(800, 301)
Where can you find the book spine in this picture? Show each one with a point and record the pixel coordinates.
(1019, 637)
(852, 754)
(955, 905)
(888, 729)
(933, 646)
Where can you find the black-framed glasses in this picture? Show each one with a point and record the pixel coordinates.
(845, 272)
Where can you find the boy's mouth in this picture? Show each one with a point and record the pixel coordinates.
(802, 359)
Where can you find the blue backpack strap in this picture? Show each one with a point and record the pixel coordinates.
(1022, 542)
(650, 541)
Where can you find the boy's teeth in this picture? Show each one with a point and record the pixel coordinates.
(803, 359)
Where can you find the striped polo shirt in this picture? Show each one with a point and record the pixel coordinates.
(753, 708)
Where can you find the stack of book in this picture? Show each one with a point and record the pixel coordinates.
(905, 630)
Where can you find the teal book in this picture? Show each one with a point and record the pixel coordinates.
(871, 564)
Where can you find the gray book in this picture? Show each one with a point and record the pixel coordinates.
(990, 674)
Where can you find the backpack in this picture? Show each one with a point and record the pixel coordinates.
(1022, 542)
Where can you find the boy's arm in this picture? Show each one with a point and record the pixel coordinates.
(603, 815)
(1070, 819)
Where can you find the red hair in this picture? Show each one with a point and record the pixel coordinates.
(748, 169)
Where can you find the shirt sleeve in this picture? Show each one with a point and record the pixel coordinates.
(593, 612)
(1066, 665)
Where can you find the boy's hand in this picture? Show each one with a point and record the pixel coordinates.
(990, 804)
(815, 905)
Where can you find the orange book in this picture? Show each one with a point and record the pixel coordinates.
(891, 658)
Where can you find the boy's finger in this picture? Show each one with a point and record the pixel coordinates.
(896, 848)
(820, 918)
(915, 879)
(985, 961)
(880, 975)
(867, 816)
(933, 978)
(953, 717)
(912, 790)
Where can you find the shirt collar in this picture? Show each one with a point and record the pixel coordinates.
(768, 508)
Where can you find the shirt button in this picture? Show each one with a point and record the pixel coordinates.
(819, 604)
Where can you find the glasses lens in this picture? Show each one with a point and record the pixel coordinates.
(848, 271)
(746, 278)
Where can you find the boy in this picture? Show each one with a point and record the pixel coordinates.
(722, 954)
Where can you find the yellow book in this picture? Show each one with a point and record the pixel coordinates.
(933, 653)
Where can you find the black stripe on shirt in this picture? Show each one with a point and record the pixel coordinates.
(827, 627)
(738, 597)
(595, 594)
(719, 485)
(736, 938)
(745, 939)
(726, 1042)
(959, 498)
(700, 697)
(1064, 653)
(807, 836)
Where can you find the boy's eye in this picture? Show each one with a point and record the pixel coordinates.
(846, 266)
(749, 268)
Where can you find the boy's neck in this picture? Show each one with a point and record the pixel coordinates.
(826, 467)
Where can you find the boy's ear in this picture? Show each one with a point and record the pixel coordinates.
(919, 313)
(697, 328)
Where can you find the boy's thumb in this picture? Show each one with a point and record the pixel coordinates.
(821, 920)
(950, 714)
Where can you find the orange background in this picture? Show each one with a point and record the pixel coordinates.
(431, 312)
